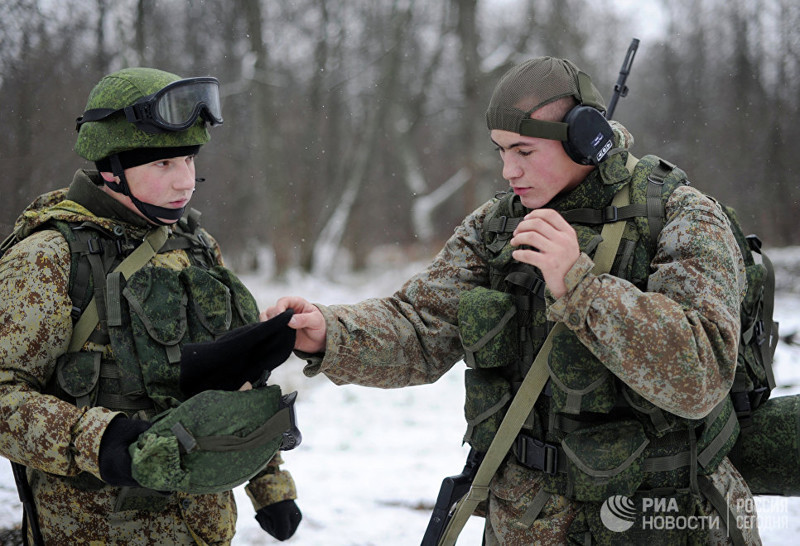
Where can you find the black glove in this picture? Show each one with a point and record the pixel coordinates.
(280, 519)
(243, 354)
(114, 459)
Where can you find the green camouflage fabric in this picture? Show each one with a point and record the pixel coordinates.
(768, 451)
(58, 441)
(177, 454)
(670, 336)
(97, 140)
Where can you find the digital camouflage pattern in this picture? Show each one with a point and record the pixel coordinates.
(672, 340)
(59, 442)
(768, 452)
(212, 442)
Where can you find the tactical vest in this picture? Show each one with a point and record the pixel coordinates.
(591, 435)
(131, 360)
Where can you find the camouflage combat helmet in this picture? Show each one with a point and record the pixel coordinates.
(103, 138)
(100, 139)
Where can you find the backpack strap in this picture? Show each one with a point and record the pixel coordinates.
(765, 330)
(654, 204)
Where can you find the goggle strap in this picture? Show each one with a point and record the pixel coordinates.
(95, 114)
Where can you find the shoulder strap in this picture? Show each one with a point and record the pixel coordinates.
(153, 242)
(528, 393)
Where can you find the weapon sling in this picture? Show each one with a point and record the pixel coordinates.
(531, 387)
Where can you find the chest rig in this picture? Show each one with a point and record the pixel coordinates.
(589, 434)
(126, 357)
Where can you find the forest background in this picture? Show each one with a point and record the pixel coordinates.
(354, 130)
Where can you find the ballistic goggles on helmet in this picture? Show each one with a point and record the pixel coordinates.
(173, 108)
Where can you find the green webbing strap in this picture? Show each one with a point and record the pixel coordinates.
(612, 235)
(271, 429)
(767, 348)
(528, 392)
(728, 514)
(655, 208)
(154, 240)
(539, 128)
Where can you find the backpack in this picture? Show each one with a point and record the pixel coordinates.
(754, 379)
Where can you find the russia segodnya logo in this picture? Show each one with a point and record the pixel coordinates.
(618, 513)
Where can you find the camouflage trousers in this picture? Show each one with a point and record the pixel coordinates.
(512, 521)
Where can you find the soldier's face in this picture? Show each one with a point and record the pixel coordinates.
(167, 183)
(537, 169)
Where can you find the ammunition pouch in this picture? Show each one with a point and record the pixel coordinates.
(579, 381)
(490, 336)
(604, 460)
(489, 333)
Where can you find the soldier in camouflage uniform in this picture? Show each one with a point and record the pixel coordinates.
(72, 430)
(654, 343)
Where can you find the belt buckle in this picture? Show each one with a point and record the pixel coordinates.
(547, 461)
(539, 455)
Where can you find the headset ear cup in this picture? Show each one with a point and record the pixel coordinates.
(589, 135)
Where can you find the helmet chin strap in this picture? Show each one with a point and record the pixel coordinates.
(153, 213)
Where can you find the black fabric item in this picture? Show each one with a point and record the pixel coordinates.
(280, 519)
(140, 156)
(243, 354)
(114, 459)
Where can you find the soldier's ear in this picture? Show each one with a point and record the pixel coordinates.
(109, 177)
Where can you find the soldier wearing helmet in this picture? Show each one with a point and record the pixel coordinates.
(102, 286)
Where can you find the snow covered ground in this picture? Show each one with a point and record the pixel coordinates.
(371, 460)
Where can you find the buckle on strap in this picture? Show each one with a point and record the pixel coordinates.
(536, 454)
(610, 214)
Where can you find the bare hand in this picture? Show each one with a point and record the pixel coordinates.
(307, 320)
(553, 243)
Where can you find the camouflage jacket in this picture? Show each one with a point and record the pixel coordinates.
(684, 327)
(54, 438)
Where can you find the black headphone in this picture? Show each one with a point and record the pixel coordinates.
(589, 135)
(585, 133)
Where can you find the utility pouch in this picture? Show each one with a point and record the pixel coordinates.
(158, 323)
(488, 329)
(487, 395)
(209, 303)
(605, 460)
(78, 375)
(245, 306)
(580, 382)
